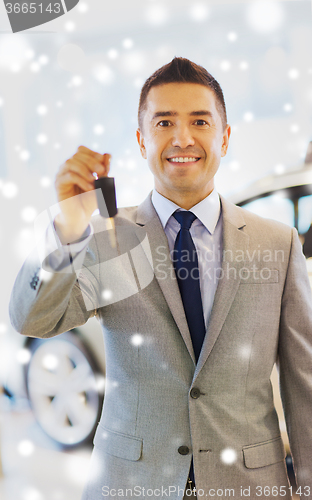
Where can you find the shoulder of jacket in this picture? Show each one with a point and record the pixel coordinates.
(264, 222)
(258, 227)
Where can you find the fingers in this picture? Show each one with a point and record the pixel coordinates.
(106, 162)
(78, 171)
(69, 180)
(89, 152)
(79, 167)
(94, 159)
(88, 162)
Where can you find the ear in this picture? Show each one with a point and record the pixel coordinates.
(225, 140)
(140, 140)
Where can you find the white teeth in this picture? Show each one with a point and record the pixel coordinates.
(182, 159)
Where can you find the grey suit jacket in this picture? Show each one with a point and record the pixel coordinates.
(153, 421)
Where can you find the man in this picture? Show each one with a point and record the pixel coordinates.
(218, 298)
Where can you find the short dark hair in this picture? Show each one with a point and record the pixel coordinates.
(181, 70)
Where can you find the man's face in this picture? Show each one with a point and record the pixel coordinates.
(183, 139)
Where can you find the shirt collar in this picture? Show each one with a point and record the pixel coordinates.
(207, 210)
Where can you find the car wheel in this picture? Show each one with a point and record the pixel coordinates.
(63, 388)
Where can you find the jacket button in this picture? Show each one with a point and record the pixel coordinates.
(183, 450)
(195, 393)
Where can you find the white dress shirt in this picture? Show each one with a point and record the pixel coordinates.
(206, 232)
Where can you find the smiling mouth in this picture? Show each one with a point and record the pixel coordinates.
(183, 159)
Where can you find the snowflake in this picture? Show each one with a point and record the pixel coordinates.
(3, 328)
(199, 12)
(30, 54)
(35, 67)
(82, 7)
(138, 83)
(15, 67)
(23, 356)
(24, 155)
(244, 65)
(9, 190)
(232, 36)
(43, 59)
(112, 53)
(288, 107)
(225, 65)
(137, 339)
(29, 214)
(42, 109)
(100, 383)
(293, 74)
(294, 128)
(42, 139)
(248, 117)
(98, 129)
(45, 275)
(279, 169)
(107, 294)
(228, 456)
(265, 16)
(103, 74)
(70, 26)
(50, 361)
(245, 351)
(127, 43)
(157, 15)
(234, 165)
(30, 493)
(45, 181)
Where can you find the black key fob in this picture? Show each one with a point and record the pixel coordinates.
(106, 196)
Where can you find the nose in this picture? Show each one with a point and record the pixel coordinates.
(182, 137)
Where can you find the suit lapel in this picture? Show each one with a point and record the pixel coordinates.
(235, 244)
(148, 222)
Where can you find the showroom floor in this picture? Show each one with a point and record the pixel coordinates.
(33, 467)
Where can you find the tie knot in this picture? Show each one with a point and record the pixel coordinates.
(185, 219)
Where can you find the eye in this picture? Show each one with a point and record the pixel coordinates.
(164, 123)
(201, 122)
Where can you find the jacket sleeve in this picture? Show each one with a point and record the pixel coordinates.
(295, 364)
(45, 302)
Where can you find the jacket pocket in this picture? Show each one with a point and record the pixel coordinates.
(118, 444)
(265, 453)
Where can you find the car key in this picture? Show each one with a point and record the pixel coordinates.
(106, 198)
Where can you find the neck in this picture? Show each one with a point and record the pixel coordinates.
(185, 200)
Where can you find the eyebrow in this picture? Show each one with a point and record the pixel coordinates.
(202, 112)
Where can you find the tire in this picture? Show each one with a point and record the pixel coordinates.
(62, 383)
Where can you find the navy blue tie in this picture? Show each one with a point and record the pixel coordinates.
(185, 262)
